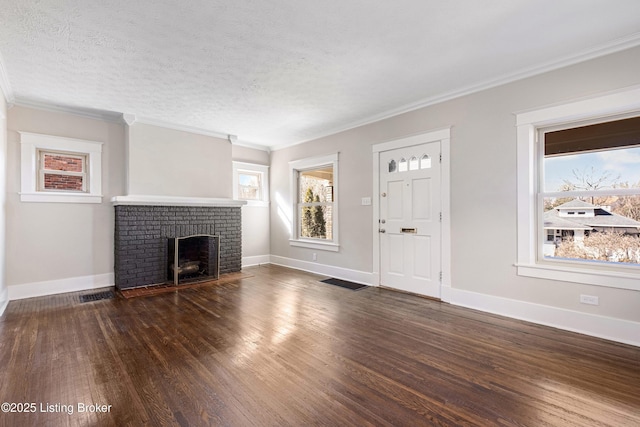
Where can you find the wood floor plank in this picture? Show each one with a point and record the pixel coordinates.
(276, 347)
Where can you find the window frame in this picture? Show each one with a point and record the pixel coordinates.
(295, 167)
(612, 106)
(252, 168)
(32, 144)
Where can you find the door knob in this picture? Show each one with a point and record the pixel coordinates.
(382, 230)
(383, 221)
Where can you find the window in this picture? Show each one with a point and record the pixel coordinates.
(577, 182)
(314, 199)
(593, 171)
(56, 169)
(251, 183)
(62, 171)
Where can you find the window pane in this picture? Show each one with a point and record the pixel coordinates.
(316, 222)
(60, 162)
(402, 166)
(425, 162)
(249, 186)
(316, 189)
(588, 230)
(392, 166)
(615, 168)
(63, 182)
(413, 163)
(316, 185)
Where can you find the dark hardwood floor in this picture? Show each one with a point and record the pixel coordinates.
(280, 348)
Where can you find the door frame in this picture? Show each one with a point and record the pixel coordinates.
(444, 136)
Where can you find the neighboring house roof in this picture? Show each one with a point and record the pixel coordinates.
(576, 203)
(602, 218)
(554, 222)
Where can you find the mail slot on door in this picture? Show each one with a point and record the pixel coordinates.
(409, 230)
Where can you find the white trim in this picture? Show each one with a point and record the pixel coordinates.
(416, 139)
(60, 286)
(621, 102)
(249, 261)
(4, 300)
(624, 331)
(200, 131)
(150, 200)
(444, 136)
(52, 197)
(182, 128)
(29, 170)
(599, 51)
(307, 163)
(252, 167)
(362, 277)
(320, 245)
(88, 113)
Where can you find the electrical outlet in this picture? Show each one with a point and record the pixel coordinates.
(314, 256)
(589, 299)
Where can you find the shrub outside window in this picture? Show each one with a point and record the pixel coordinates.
(314, 184)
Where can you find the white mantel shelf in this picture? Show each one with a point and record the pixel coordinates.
(144, 200)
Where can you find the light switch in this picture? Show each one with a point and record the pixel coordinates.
(366, 201)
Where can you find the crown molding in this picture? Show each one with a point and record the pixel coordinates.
(89, 113)
(614, 46)
(200, 131)
(5, 86)
(179, 127)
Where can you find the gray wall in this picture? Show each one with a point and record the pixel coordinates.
(4, 294)
(255, 219)
(483, 184)
(168, 162)
(52, 241)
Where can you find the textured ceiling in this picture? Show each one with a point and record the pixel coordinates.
(283, 71)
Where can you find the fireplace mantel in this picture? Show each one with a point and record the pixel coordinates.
(148, 200)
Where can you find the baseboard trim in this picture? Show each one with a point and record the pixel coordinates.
(249, 261)
(4, 300)
(356, 276)
(609, 328)
(60, 286)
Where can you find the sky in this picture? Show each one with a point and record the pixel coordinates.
(621, 162)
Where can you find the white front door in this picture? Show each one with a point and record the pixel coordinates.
(410, 227)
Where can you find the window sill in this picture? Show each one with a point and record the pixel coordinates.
(583, 275)
(60, 198)
(321, 246)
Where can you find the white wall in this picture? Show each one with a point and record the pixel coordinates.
(168, 162)
(58, 246)
(483, 187)
(4, 292)
(255, 219)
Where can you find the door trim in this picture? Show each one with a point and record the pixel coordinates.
(444, 136)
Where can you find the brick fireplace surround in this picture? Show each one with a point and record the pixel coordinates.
(143, 225)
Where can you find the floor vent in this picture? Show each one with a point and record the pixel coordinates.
(97, 296)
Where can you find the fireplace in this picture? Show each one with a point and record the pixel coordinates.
(147, 229)
(193, 258)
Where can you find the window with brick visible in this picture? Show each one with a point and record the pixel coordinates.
(62, 172)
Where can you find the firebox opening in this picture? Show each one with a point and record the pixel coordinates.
(193, 258)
